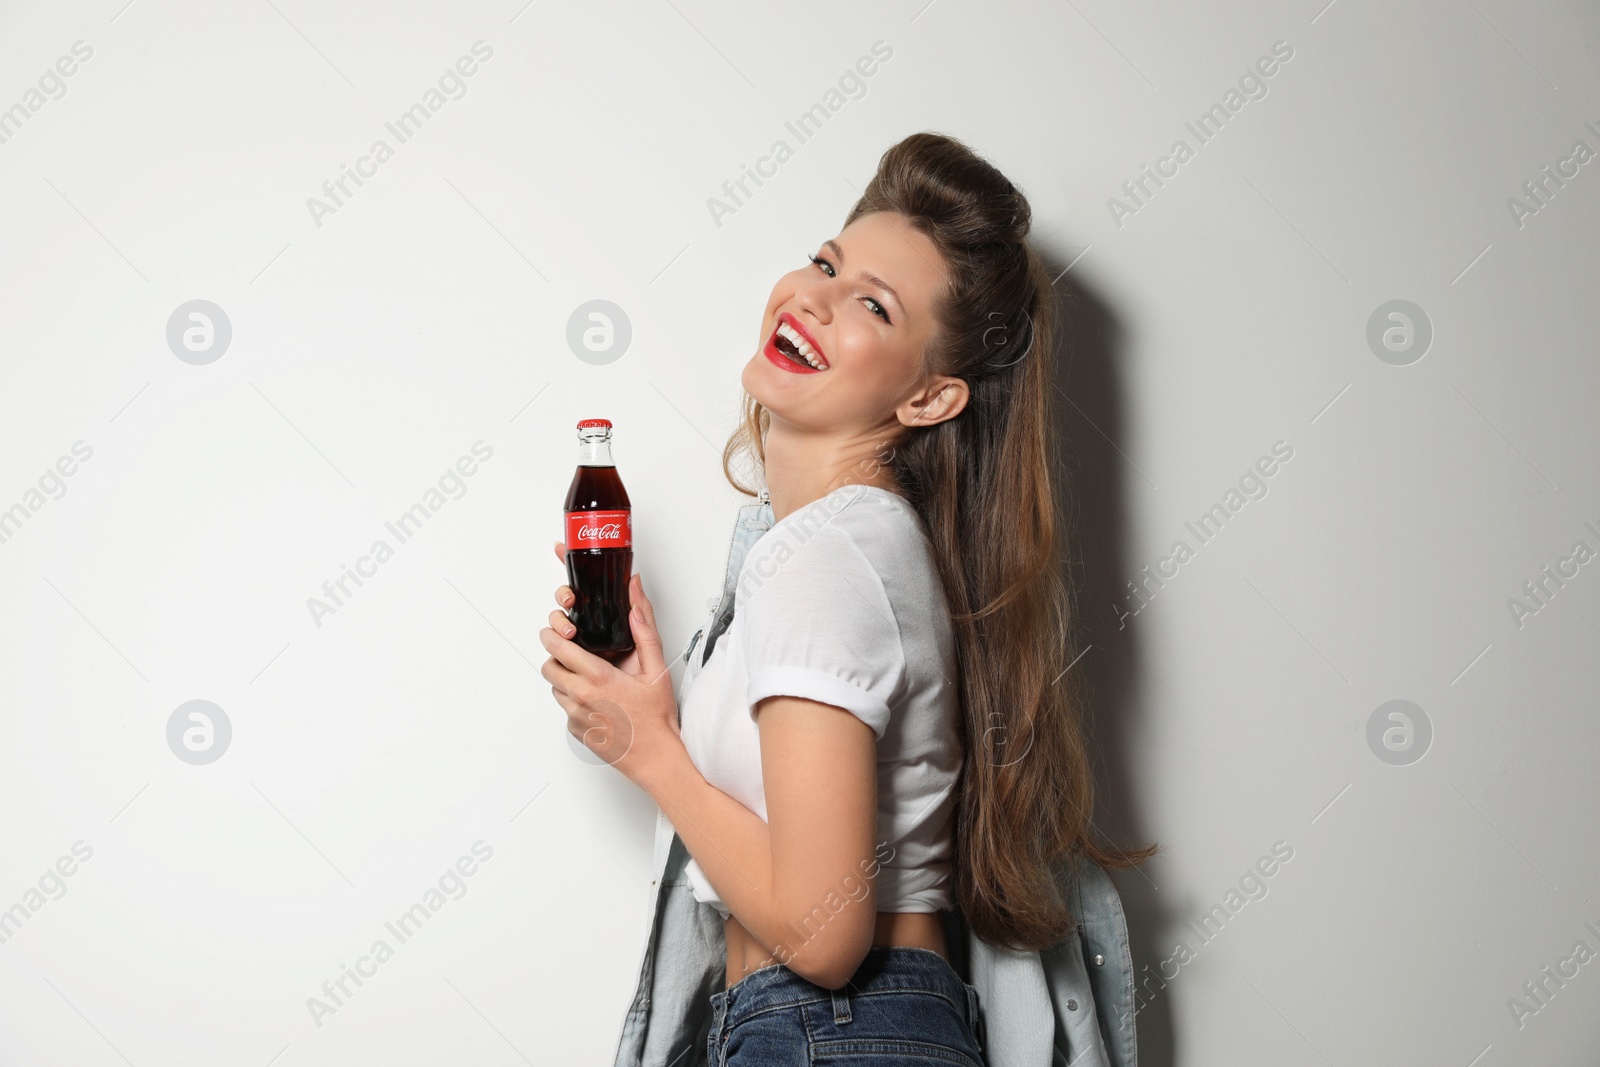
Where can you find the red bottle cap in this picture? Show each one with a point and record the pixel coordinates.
(594, 422)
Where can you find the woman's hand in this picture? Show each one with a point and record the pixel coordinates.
(624, 713)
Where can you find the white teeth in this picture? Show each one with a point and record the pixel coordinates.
(807, 353)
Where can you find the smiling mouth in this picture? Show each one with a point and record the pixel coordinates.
(793, 345)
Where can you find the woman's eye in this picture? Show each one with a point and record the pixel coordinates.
(877, 308)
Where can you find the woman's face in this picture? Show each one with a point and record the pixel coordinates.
(867, 336)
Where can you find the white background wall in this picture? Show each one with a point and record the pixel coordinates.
(374, 346)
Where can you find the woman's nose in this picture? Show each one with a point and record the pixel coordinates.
(813, 301)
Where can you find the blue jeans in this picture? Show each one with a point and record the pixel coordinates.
(903, 1006)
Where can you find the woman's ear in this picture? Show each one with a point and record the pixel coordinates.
(942, 398)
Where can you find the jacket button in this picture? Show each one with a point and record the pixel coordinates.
(1072, 1005)
(1099, 960)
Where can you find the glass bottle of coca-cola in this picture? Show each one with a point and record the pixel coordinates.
(599, 546)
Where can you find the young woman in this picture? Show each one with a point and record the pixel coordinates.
(887, 728)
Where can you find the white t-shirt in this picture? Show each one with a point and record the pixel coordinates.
(840, 602)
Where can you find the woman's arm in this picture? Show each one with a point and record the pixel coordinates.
(802, 883)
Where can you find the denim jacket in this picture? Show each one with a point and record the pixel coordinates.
(1071, 1003)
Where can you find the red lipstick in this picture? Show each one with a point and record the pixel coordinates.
(797, 363)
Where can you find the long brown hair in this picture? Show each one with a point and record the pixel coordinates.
(984, 485)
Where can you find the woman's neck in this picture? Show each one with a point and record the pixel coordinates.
(801, 468)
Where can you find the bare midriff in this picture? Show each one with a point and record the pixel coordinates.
(916, 929)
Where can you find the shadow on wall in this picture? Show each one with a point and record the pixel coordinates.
(1090, 404)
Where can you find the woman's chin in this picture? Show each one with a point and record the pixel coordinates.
(755, 379)
(771, 387)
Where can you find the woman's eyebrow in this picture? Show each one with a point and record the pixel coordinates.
(872, 278)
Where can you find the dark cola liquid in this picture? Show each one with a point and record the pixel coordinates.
(599, 576)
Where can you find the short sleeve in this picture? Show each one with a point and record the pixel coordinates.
(816, 623)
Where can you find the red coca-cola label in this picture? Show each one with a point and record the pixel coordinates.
(599, 529)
